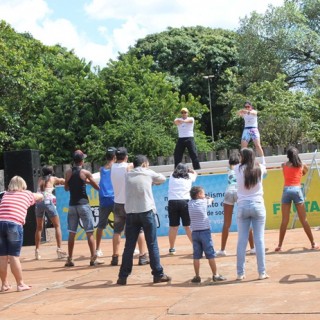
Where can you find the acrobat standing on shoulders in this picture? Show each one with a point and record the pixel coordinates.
(250, 130)
(185, 126)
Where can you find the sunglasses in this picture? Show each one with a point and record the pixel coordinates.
(247, 106)
(183, 112)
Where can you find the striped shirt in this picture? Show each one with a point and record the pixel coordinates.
(198, 214)
(14, 206)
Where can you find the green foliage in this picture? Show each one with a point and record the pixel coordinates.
(143, 106)
(189, 53)
(284, 40)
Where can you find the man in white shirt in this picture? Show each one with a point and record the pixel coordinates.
(185, 126)
(119, 170)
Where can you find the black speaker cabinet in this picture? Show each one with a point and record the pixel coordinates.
(26, 164)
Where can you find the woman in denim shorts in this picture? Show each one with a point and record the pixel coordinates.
(230, 198)
(13, 211)
(46, 184)
(293, 170)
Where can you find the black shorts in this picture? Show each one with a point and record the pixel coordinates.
(178, 209)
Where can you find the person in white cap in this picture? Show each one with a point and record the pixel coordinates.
(185, 126)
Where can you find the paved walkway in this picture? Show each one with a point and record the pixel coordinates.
(83, 292)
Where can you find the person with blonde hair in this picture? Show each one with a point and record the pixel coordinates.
(46, 184)
(13, 211)
(293, 170)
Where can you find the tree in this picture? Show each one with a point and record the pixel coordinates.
(284, 40)
(143, 106)
(187, 54)
(285, 117)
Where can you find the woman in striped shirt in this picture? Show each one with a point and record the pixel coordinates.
(13, 210)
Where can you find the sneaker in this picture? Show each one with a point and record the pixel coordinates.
(61, 254)
(115, 260)
(252, 251)
(263, 276)
(241, 277)
(94, 261)
(172, 251)
(163, 278)
(99, 253)
(122, 281)
(196, 279)
(37, 254)
(221, 253)
(218, 277)
(69, 262)
(144, 259)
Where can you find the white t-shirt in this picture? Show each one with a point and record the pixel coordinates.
(255, 193)
(179, 188)
(250, 120)
(118, 179)
(185, 130)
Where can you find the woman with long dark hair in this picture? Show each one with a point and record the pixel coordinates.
(180, 183)
(293, 170)
(46, 184)
(251, 211)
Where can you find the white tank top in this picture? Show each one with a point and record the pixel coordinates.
(250, 120)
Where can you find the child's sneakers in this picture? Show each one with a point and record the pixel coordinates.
(218, 277)
(221, 253)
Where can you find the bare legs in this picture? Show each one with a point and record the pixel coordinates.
(173, 231)
(16, 271)
(257, 144)
(56, 224)
(285, 208)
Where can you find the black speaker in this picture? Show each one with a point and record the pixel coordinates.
(23, 163)
(26, 164)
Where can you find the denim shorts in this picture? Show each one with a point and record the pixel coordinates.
(202, 242)
(248, 134)
(11, 238)
(104, 213)
(119, 217)
(178, 209)
(292, 194)
(78, 212)
(230, 197)
(46, 207)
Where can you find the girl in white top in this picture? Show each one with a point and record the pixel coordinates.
(250, 131)
(251, 211)
(180, 183)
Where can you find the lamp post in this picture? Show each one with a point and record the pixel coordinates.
(210, 105)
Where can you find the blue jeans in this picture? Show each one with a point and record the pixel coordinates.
(134, 223)
(11, 238)
(251, 213)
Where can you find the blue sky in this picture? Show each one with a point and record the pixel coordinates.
(98, 29)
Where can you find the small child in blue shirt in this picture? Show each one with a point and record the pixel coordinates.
(201, 233)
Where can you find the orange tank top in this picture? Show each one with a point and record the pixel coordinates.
(292, 176)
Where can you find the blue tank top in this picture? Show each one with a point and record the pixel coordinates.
(106, 194)
(77, 188)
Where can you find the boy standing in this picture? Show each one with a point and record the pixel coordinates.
(201, 233)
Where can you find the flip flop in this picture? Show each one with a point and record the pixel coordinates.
(23, 287)
(6, 288)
